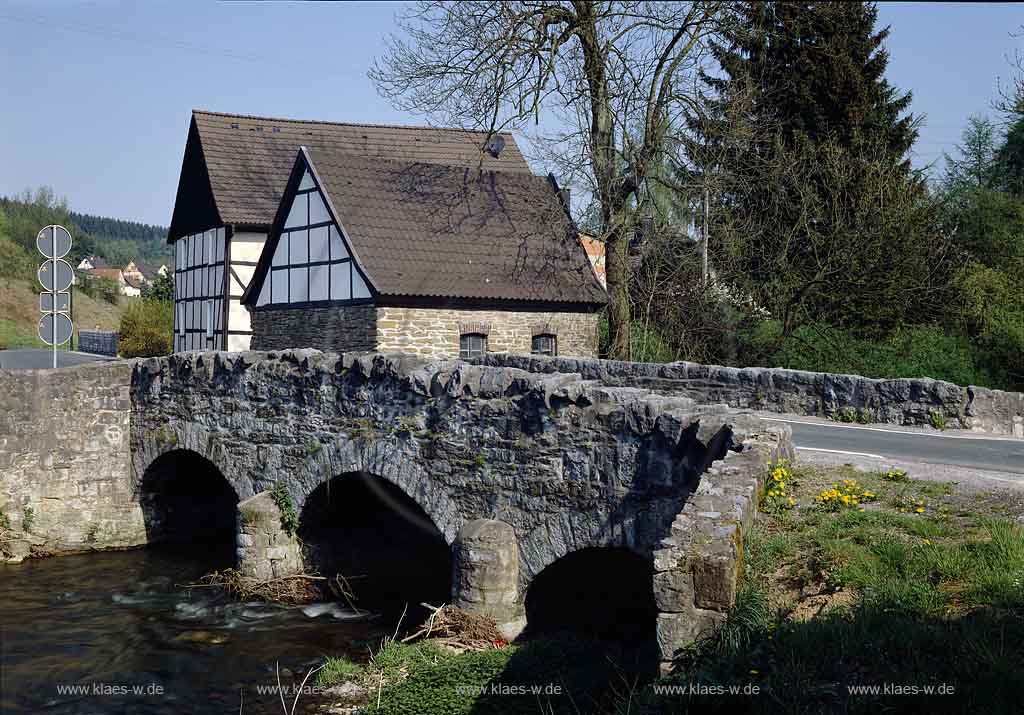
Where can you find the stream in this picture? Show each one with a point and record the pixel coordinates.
(119, 632)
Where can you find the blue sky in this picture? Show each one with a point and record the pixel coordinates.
(96, 96)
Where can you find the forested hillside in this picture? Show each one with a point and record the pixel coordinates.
(116, 240)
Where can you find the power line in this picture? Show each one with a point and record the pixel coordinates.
(148, 39)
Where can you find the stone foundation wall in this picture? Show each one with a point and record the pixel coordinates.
(65, 463)
(350, 328)
(897, 401)
(425, 332)
(434, 332)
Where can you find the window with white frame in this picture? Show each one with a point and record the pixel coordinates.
(311, 264)
(472, 345)
(544, 344)
(199, 289)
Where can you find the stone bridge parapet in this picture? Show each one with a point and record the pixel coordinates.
(902, 401)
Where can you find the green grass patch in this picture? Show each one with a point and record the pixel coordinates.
(14, 335)
(338, 670)
(924, 600)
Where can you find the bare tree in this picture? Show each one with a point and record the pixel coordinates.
(616, 76)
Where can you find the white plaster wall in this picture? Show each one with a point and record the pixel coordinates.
(245, 246)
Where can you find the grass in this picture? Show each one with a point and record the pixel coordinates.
(19, 306)
(833, 600)
(336, 671)
(560, 674)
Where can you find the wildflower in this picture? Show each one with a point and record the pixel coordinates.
(919, 510)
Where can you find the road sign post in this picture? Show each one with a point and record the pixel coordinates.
(55, 276)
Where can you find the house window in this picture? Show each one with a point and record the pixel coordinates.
(544, 344)
(472, 345)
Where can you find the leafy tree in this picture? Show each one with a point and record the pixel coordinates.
(15, 262)
(984, 214)
(1010, 159)
(162, 288)
(615, 73)
(974, 165)
(817, 214)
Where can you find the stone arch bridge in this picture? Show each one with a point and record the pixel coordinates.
(516, 471)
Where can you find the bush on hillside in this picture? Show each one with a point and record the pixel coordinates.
(147, 328)
(99, 288)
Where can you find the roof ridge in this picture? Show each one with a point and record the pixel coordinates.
(344, 124)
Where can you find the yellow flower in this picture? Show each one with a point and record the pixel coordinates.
(919, 510)
(928, 541)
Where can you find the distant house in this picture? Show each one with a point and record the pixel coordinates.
(90, 262)
(132, 286)
(380, 237)
(595, 252)
(128, 286)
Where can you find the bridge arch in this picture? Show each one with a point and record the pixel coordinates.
(606, 592)
(151, 444)
(394, 463)
(377, 536)
(568, 532)
(185, 497)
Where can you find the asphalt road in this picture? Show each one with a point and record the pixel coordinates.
(41, 358)
(907, 445)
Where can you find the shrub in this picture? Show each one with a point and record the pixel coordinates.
(101, 288)
(646, 344)
(289, 517)
(920, 351)
(147, 328)
(15, 262)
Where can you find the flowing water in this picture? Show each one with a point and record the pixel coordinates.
(119, 632)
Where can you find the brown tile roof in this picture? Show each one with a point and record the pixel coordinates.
(438, 231)
(113, 274)
(248, 158)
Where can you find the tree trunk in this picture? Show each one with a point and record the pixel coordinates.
(617, 274)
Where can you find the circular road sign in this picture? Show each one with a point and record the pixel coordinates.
(55, 321)
(55, 275)
(54, 241)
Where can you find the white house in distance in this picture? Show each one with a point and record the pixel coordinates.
(233, 174)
